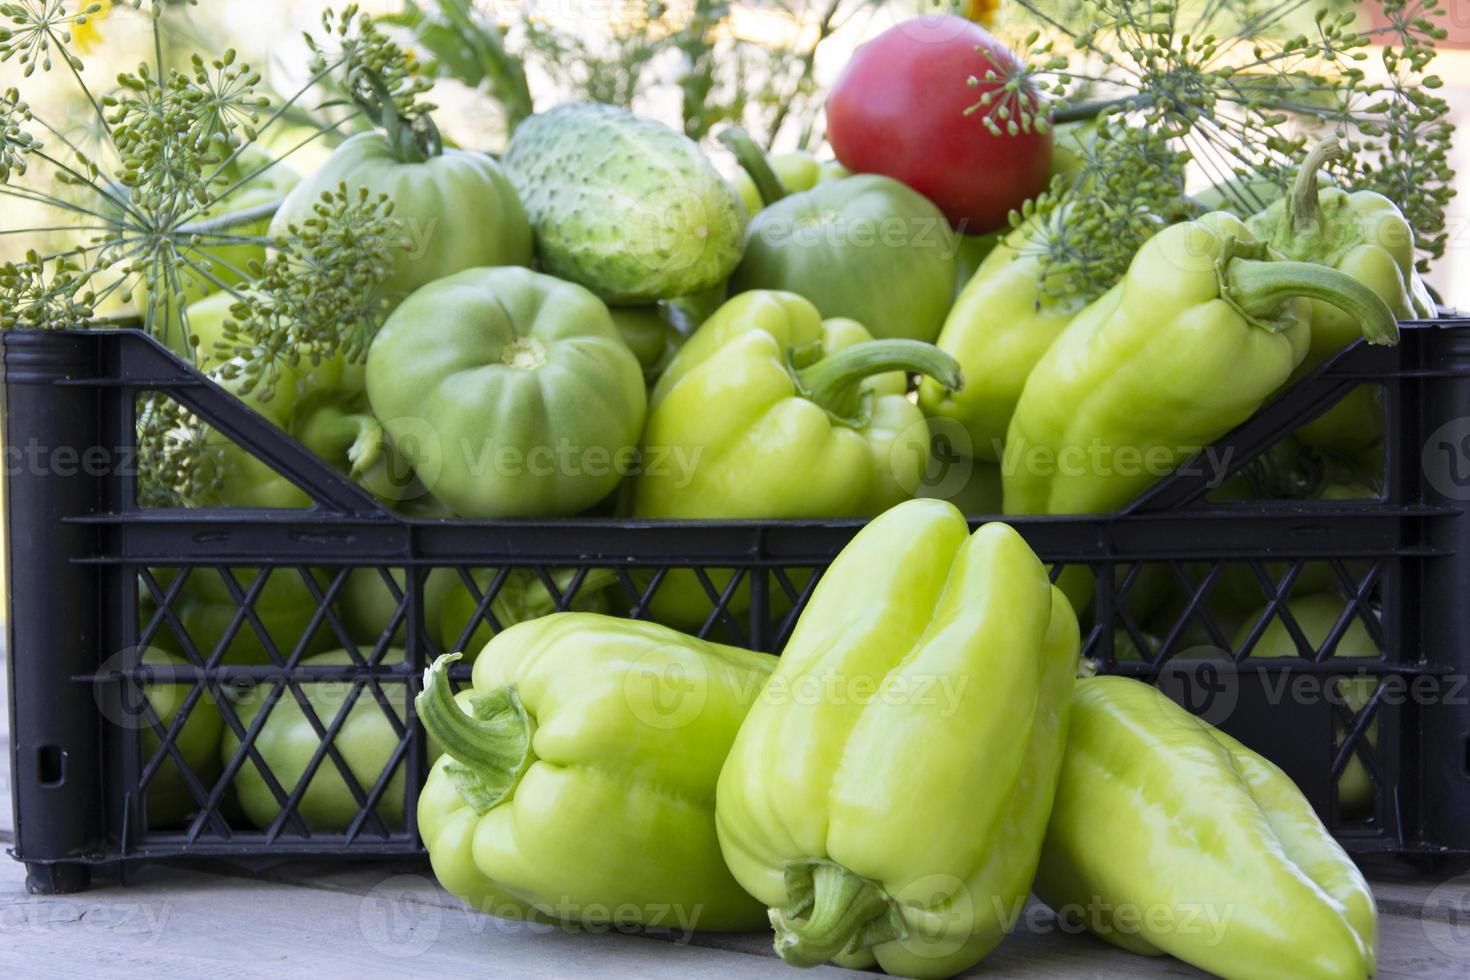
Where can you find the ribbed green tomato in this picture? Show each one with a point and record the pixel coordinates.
(511, 391)
(458, 210)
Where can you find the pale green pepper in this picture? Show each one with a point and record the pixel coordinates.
(1366, 236)
(896, 818)
(578, 781)
(1169, 836)
(1002, 323)
(1199, 334)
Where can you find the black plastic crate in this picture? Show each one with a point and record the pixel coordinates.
(81, 552)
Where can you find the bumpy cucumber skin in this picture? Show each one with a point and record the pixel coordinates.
(624, 205)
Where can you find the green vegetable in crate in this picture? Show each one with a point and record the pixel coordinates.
(624, 205)
(169, 798)
(511, 391)
(522, 595)
(785, 417)
(367, 606)
(323, 406)
(578, 781)
(651, 334)
(863, 247)
(1209, 849)
(1199, 334)
(284, 608)
(287, 742)
(1366, 236)
(1317, 616)
(797, 171)
(1001, 325)
(898, 818)
(457, 209)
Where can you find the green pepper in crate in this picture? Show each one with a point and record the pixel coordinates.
(287, 742)
(1364, 235)
(1002, 323)
(1169, 836)
(769, 411)
(1317, 615)
(897, 817)
(1199, 334)
(323, 406)
(578, 781)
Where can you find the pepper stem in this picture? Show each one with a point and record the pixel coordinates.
(832, 911)
(835, 382)
(492, 745)
(1257, 287)
(753, 161)
(1304, 212)
(333, 432)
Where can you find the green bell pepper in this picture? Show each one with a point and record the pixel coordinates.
(864, 247)
(812, 422)
(858, 816)
(1000, 326)
(578, 781)
(1168, 836)
(1366, 236)
(1317, 615)
(287, 742)
(511, 391)
(457, 208)
(169, 800)
(1197, 336)
(799, 430)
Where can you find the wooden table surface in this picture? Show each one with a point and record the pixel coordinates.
(375, 919)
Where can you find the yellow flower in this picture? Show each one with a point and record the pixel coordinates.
(85, 35)
(982, 11)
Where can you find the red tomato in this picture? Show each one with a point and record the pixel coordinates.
(899, 110)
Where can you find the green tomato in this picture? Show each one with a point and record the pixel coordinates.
(511, 391)
(457, 210)
(169, 800)
(287, 742)
(367, 606)
(651, 334)
(284, 608)
(863, 247)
